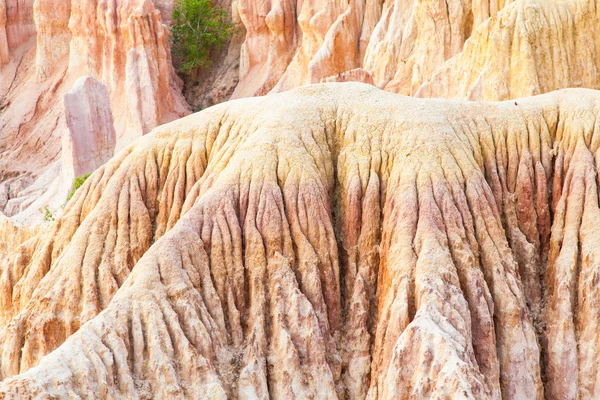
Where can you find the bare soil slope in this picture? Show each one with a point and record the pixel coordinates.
(334, 241)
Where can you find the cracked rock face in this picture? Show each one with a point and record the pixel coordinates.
(334, 241)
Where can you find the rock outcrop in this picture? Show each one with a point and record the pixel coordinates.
(334, 241)
(90, 138)
(529, 48)
(49, 45)
(13, 235)
(87, 143)
(479, 50)
(16, 26)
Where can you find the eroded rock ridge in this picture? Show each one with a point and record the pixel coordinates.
(334, 241)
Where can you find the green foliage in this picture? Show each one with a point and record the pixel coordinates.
(198, 28)
(48, 214)
(80, 180)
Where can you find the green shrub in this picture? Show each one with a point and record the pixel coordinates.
(48, 214)
(198, 28)
(80, 180)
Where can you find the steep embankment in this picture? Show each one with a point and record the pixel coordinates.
(332, 241)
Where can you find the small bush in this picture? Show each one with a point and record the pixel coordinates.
(48, 214)
(80, 180)
(198, 28)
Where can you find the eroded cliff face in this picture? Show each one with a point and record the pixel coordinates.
(334, 241)
(48, 46)
(479, 50)
(16, 26)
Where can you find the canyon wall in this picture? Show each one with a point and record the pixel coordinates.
(481, 50)
(485, 50)
(49, 45)
(334, 241)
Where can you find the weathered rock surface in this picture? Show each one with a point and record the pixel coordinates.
(335, 241)
(87, 143)
(48, 46)
(16, 26)
(13, 235)
(479, 50)
(530, 47)
(90, 138)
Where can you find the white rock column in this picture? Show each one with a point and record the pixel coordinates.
(90, 138)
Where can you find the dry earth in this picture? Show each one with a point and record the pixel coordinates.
(334, 241)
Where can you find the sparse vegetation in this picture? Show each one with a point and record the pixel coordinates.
(80, 180)
(48, 214)
(198, 28)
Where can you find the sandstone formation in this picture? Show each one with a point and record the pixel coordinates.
(16, 26)
(354, 75)
(87, 143)
(334, 241)
(45, 46)
(13, 235)
(531, 47)
(90, 138)
(479, 50)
